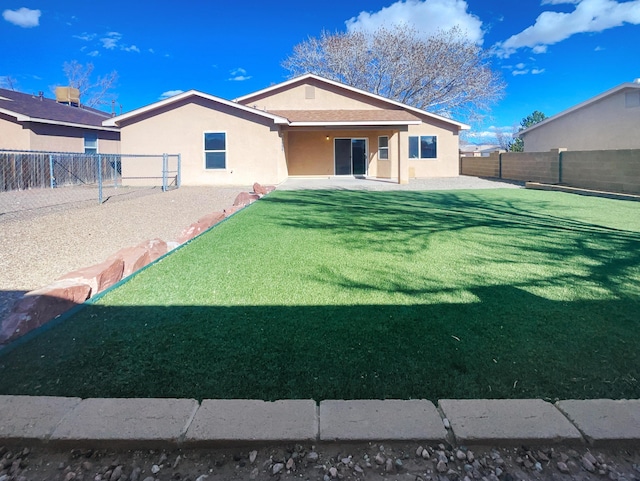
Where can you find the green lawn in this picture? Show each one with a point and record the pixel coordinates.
(340, 294)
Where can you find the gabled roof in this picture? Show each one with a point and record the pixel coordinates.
(185, 95)
(592, 100)
(301, 78)
(31, 108)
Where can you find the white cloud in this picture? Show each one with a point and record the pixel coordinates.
(537, 71)
(553, 27)
(110, 40)
(558, 2)
(23, 17)
(151, 50)
(93, 53)
(520, 72)
(131, 48)
(520, 66)
(426, 16)
(87, 37)
(169, 93)
(599, 49)
(239, 75)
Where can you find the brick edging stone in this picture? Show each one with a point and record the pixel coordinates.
(153, 423)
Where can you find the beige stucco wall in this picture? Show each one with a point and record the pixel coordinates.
(12, 135)
(446, 164)
(602, 125)
(326, 97)
(310, 153)
(255, 150)
(58, 138)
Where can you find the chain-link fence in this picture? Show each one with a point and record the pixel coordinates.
(39, 180)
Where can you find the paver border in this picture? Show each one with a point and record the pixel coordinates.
(178, 423)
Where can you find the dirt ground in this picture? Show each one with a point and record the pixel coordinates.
(393, 461)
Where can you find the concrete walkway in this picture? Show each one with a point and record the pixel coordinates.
(171, 423)
(355, 183)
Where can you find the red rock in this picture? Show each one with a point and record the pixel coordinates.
(232, 210)
(263, 189)
(134, 258)
(211, 219)
(40, 306)
(189, 233)
(99, 276)
(156, 247)
(245, 198)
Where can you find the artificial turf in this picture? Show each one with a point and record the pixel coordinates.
(345, 295)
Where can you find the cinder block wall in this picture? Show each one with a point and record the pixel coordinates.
(609, 170)
(481, 166)
(531, 166)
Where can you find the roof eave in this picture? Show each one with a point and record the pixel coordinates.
(26, 118)
(368, 123)
(191, 93)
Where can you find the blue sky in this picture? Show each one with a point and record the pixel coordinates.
(552, 54)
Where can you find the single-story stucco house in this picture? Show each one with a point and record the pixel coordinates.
(306, 126)
(37, 123)
(609, 121)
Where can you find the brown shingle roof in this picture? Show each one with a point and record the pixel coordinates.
(346, 115)
(48, 109)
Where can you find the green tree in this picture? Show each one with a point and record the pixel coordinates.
(535, 117)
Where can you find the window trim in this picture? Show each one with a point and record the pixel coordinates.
(205, 151)
(383, 149)
(420, 156)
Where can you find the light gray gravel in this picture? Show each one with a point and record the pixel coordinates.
(41, 245)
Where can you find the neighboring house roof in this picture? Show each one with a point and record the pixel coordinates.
(32, 108)
(347, 117)
(247, 98)
(615, 90)
(185, 95)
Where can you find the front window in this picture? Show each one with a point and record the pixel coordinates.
(423, 147)
(383, 147)
(91, 143)
(215, 150)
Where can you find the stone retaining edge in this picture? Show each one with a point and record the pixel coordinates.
(172, 423)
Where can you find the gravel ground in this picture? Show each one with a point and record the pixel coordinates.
(408, 461)
(40, 245)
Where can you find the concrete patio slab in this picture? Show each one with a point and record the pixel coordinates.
(126, 422)
(247, 420)
(369, 420)
(604, 422)
(31, 418)
(508, 421)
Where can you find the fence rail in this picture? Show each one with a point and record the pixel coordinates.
(98, 175)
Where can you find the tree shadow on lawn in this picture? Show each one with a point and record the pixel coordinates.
(516, 225)
(506, 339)
(509, 344)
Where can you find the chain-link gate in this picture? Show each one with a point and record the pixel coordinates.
(34, 180)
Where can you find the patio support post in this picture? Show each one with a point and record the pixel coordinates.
(403, 156)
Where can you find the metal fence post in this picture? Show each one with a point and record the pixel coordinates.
(52, 180)
(165, 161)
(179, 175)
(99, 159)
